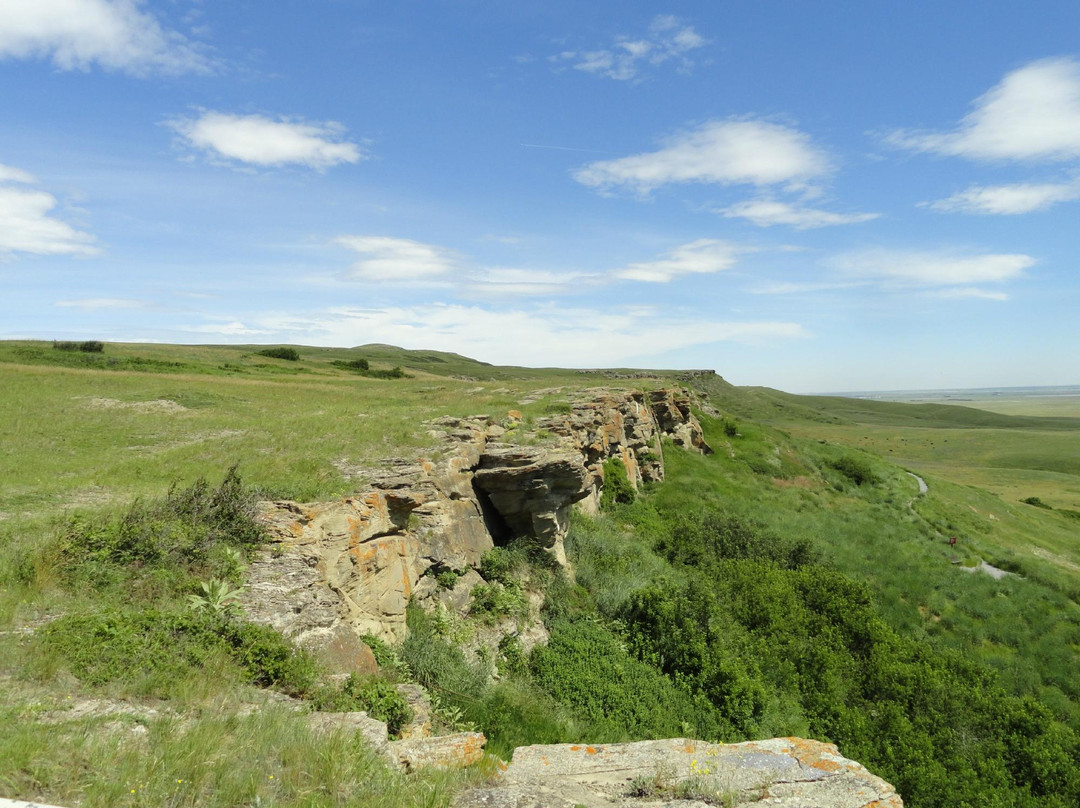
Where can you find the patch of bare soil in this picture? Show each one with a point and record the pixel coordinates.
(159, 405)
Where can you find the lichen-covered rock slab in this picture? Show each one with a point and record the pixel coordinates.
(782, 772)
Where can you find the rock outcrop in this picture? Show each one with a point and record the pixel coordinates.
(342, 569)
(781, 772)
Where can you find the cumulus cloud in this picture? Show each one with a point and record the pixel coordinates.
(386, 259)
(77, 34)
(767, 212)
(948, 274)
(27, 224)
(1007, 200)
(667, 39)
(1032, 114)
(541, 335)
(261, 141)
(704, 256)
(727, 152)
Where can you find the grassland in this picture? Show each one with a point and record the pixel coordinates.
(84, 435)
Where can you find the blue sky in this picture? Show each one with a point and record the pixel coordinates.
(811, 196)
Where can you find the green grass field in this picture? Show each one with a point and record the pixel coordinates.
(85, 435)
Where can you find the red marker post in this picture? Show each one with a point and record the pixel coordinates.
(952, 541)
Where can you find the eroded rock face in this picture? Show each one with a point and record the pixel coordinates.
(350, 566)
(788, 772)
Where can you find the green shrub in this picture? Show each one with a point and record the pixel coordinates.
(496, 600)
(377, 697)
(1038, 503)
(289, 354)
(447, 579)
(164, 648)
(731, 429)
(189, 533)
(586, 666)
(855, 469)
(505, 565)
(89, 346)
(617, 486)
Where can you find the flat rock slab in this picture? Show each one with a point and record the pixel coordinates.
(787, 772)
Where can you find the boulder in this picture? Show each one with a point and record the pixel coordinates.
(440, 751)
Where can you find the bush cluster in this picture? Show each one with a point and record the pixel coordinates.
(89, 346)
(363, 368)
(618, 490)
(165, 647)
(190, 533)
(377, 697)
(289, 354)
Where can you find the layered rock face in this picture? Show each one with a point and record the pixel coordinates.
(782, 772)
(340, 569)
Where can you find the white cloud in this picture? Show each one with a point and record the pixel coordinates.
(703, 256)
(26, 223)
(544, 335)
(726, 152)
(262, 141)
(935, 270)
(76, 34)
(1032, 114)
(1007, 200)
(767, 212)
(9, 174)
(386, 259)
(96, 303)
(228, 329)
(667, 39)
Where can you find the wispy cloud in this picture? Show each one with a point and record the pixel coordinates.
(1032, 114)
(98, 303)
(386, 259)
(261, 141)
(1007, 200)
(667, 39)
(512, 282)
(944, 273)
(78, 34)
(768, 212)
(535, 335)
(27, 224)
(731, 152)
(704, 256)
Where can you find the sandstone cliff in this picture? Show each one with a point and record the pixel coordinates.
(338, 570)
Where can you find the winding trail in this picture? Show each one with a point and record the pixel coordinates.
(982, 566)
(923, 487)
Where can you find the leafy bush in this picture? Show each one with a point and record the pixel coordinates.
(586, 666)
(447, 579)
(731, 429)
(1038, 503)
(189, 532)
(617, 486)
(289, 354)
(700, 542)
(377, 697)
(855, 469)
(167, 647)
(493, 601)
